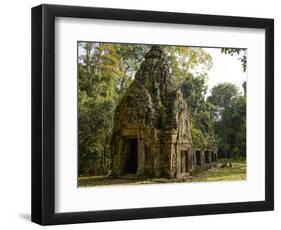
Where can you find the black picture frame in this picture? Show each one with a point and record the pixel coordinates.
(43, 114)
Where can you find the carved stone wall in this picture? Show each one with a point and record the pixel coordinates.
(154, 115)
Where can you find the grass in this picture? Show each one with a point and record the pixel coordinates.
(236, 172)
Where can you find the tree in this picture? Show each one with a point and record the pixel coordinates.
(194, 92)
(229, 119)
(221, 96)
(236, 115)
(184, 61)
(105, 71)
(130, 57)
(97, 72)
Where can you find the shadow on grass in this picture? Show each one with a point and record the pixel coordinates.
(237, 171)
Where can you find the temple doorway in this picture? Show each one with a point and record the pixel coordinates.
(132, 158)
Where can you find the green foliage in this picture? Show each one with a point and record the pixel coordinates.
(105, 71)
(198, 138)
(194, 91)
(229, 119)
(221, 97)
(103, 75)
(187, 60)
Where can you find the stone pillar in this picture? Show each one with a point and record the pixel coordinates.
(141, 154)
(178, 155)
(117, 158)
(173, 161)
(202, 157)
(191, 158)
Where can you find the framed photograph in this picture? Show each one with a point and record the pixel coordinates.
(143, 114)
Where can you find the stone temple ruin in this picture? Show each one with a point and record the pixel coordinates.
(152, 134)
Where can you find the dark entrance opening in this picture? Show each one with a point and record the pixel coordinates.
(198, 158)
(207, 160)
(186, 161)
(132, 159)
